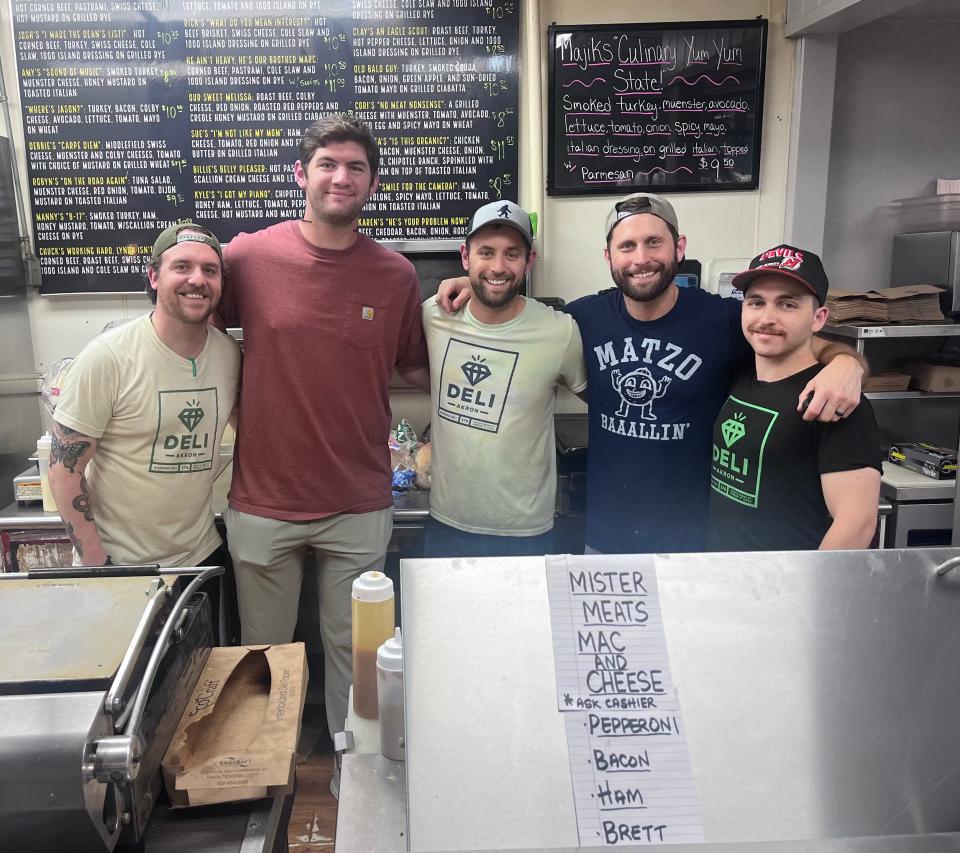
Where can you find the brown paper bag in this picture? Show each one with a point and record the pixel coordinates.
(238, 735)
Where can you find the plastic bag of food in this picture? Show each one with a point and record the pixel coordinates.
(406, 436)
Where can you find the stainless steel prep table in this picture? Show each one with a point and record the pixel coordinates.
(410, 511)
(819, 692)
(918, 503)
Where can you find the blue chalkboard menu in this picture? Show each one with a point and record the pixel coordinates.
(138, 114)
(664, 107)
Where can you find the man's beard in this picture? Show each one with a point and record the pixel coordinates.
(170, 306)
(495, 300)
(651, 290)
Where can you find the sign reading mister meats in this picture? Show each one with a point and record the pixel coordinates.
(626, 740)
(667, 107)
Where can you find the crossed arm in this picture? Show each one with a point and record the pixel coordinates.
(70, 453)
(835, 389)
(851, 498)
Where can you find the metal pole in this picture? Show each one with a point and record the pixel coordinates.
(25, 246)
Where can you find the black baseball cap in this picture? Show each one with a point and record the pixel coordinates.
(800, 265)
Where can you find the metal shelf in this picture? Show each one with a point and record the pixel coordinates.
(912, 395)
(932, 330)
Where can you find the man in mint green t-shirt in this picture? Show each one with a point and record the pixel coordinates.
(494, 371)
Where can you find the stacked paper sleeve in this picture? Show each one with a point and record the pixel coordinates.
(915, 303)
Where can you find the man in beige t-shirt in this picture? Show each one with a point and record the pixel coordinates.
(137, 430)
(494, 371)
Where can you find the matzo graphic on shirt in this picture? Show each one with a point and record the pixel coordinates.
(641, 372)
(737, 468)
(474, 384)
(638, 388)
(186, 437)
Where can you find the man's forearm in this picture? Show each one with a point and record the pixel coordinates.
(418, 377)
(851, 532)
(70, 452)
(81, 527)
(827, 351)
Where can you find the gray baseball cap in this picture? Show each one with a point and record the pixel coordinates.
(503, 213)
(185, 232)
(641, 203)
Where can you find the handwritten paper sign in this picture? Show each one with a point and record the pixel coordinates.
(664, 107)
(629, 763)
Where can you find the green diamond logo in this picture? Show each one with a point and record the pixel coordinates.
(191, 415)
(733, 429)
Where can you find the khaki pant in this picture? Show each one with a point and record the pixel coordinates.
(268, 557)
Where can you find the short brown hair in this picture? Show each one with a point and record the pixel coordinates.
(339, 127)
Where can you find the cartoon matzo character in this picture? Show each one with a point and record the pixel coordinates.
(638, 388)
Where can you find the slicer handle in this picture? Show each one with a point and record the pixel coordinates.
(132, 728)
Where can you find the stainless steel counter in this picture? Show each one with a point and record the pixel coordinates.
(902, 484)
(818, 691)
(919, 505)
(408, 508)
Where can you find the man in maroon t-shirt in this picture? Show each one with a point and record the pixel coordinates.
(327, 314)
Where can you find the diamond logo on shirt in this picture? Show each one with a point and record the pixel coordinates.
(476, 370)
(191, 415)
(733, 429)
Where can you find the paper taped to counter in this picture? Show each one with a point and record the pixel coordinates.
(238, 735)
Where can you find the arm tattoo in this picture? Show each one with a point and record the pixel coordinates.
(81, 503)
(75, 540)
(67, 451)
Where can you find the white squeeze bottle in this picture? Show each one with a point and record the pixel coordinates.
(390, 697)
(43, 463)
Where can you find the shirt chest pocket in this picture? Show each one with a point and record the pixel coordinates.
(365, 320)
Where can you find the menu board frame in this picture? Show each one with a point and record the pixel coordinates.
(135, 118)
(559, 182)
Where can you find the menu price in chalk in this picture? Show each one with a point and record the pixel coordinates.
(661, 107)
(139, 115)
(629, 763)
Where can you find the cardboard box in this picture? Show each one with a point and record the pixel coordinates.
(933, 377)
(928, 459)
(237, 738)
(890, 380)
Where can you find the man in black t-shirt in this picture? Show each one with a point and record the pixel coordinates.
(780, 482)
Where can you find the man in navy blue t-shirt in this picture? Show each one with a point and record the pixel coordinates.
(660, 360)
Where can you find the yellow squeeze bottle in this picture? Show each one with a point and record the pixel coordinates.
(372, 612)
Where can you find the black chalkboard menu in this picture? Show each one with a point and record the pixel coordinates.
(664, 107)
(144, 112)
